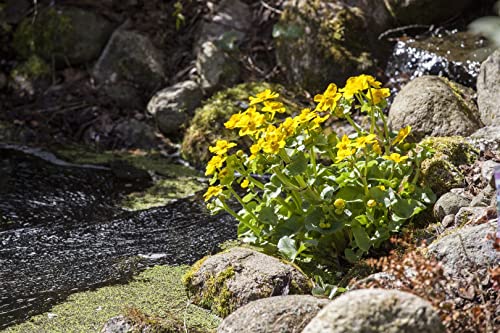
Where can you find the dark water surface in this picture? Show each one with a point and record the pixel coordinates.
(60, 232)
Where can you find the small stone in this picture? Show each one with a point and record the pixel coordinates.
(488, 172)
(376, 310)
(449, 203)
(131, 57)
(448, 220)
(488, 90)
(485, 198)
(486, 138)
(172, 107)
(274, 314)
(119, 324)
(435, 106)
(215, 284)
(467, 249)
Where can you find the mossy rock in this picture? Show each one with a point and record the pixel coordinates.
(441, 172)
(233, 278)
(64, 34)
(155, 298)
(318, 42)
(207, 126)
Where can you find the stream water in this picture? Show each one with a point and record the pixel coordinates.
(61, 232)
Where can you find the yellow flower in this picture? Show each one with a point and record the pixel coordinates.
(319, 120)
(378, 95)
(344, 153)
(250, 122)
(273, 107)
(304, 116)
(221, 147)
(395, 157)
(339, 203)
(376, 148)
(263, 96)
(213, 191)
(223, 173)
(362, 141)
(233, 121)
(382, 187)
(371, 203)
(328, 100)
(344, 143)
(402, 134)
(274, 140)
(244, 183)
(215, 162)
(359, 83)
(288, 126)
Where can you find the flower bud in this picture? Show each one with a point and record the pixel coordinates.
(339, 203)
(371, 203)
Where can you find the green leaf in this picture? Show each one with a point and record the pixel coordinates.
(298, 165)
(248, 197)
(351, 256)
(286, 246)
(361, 237)
(267, 215)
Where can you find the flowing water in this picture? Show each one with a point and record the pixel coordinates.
(61, 232)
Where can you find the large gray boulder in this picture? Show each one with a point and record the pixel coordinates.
(488, 90)
(130, 57)
(226, 24)
(435, 106)
(228, 280)
(172, 107)
(274, 314)
(217, 67)
(425, 11)
(468, 249)
(318, 42)
(376, 310)
(70, 34)
(449, 203)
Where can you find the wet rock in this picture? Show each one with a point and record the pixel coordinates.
(457, 56)
(275, 314)
(407, 12)
(131, 57)
(207, 125)
(485, 198)
(486, 138)
(318, 42)
(119, 324)
(466, 250)
(376, 310)
(227, 24)
(449, 203)
(69, 34)
(229, 280)
(488, 90)
(172, 107)
(442, 172)
(217, 68)
(435, 106)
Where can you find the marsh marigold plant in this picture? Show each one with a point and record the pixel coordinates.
(309, 194)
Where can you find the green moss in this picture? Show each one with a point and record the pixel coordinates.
(33, 68)
(147, 160)
(47, 35)
(207, 126)
(215, 295)
(162, 192)
(156, 293)
(187, 278)
(455, 149)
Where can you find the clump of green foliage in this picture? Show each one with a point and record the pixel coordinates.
(311, 195)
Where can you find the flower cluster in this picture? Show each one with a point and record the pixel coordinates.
(308, 193)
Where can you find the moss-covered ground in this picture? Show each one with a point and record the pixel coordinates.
(157, 293)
